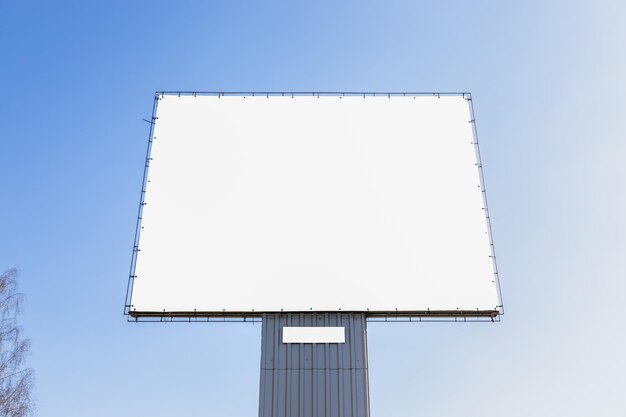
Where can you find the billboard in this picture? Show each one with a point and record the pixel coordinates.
(304, 202)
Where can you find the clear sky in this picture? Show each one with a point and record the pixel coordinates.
(550, 101)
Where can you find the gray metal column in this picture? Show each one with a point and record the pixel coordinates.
(314, 380)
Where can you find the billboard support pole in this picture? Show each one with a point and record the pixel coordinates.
(320, 379)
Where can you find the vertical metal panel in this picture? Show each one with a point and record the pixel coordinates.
(314, 380)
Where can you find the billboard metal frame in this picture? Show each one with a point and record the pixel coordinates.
(403, 316)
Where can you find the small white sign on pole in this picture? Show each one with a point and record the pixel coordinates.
(314, 335)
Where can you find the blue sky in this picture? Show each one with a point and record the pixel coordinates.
(550, 98)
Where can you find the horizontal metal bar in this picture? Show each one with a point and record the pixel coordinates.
(312, 93)
(369, 314)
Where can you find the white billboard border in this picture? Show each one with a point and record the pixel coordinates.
(404, 316)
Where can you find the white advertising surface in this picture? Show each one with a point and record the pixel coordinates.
(267, 204)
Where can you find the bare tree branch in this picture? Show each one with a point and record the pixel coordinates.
(16, 383)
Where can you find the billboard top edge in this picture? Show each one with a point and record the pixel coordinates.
(161, 93)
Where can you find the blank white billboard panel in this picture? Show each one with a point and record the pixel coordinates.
(280, 203)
